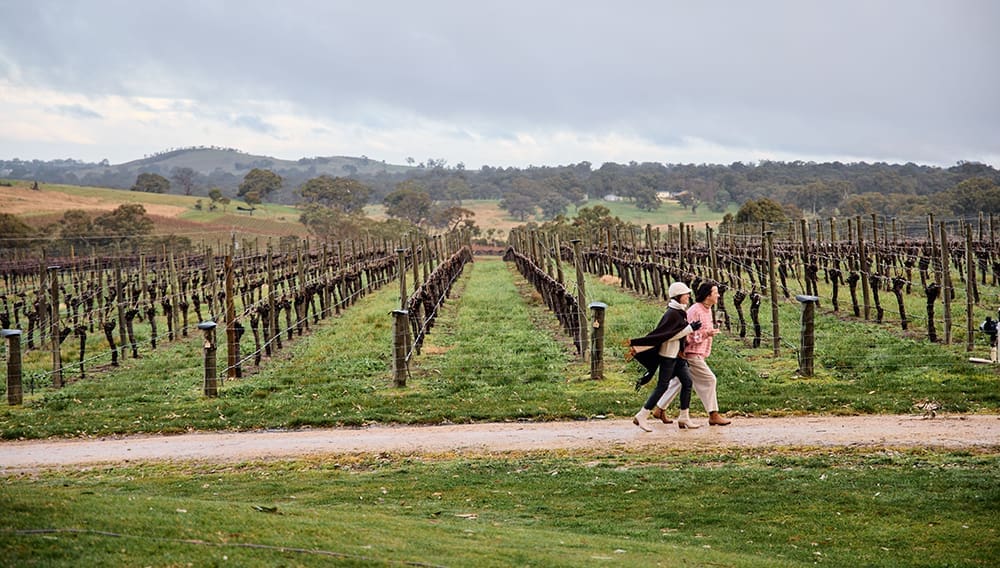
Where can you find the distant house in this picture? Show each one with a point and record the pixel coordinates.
(612, 197)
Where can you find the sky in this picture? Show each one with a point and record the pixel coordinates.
(512, 83)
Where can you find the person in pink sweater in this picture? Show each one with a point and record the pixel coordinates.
(697, 348)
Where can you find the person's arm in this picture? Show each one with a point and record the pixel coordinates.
(672, 324)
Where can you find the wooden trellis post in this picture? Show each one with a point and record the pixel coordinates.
(581, 296)
(14, 392)
(597, 345)
(57, 381)
(946, 290)
(399, 328)
(772, 286)
(970, 284)
(211, 384)
(808, 334)
(232, 345)
(864, 269)
(401, 267)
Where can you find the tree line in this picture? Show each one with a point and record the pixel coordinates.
(430, 197)
(548, 191)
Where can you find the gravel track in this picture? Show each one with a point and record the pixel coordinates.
(874, 431)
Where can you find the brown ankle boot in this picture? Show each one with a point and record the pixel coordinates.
(658, 413)
(716, 419)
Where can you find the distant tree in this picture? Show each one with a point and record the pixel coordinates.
(820, 195)
(128, 223)
(260, 182)
(345, 194)
(972, 196)
(450, 217)
(761, 210)
(646, 200)
(252, 198)
(523, 198)
(408, 202)
(151, 183)
(553, 205)
(893, 204)
(391, 229)
(594, 221)
(689, 199)
(215, 194)
(184, 177)
(594, 215)
(456, 189)
(329, 224)
(76, 226)
(518, 205)
(15, 233)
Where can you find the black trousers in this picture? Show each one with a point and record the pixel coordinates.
(670, 368)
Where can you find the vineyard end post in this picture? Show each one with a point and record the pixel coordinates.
(399, 322)
(13, 337)
(808, 334)
(57, 378)
(211, 382)
(581, 295)
(773, 288)
(597, 343)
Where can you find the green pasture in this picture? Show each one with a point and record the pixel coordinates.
(669, 213)
(764, 508)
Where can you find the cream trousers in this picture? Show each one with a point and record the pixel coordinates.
(703, 380)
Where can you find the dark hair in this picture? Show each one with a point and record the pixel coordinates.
(704, 290)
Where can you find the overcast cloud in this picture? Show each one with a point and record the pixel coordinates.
(511, 83)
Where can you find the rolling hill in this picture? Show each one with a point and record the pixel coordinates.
(213, 166)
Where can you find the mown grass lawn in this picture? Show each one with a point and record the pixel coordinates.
(771, 508)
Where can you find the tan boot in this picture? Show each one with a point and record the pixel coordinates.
(716, 419)
(659, 413)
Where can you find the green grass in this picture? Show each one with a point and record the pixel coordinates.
(489, 353)
(495, 354)
(669, 213)
(729, 509)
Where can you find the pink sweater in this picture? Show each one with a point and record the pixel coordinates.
(699, 343)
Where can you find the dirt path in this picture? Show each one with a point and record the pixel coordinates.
(947, 432)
